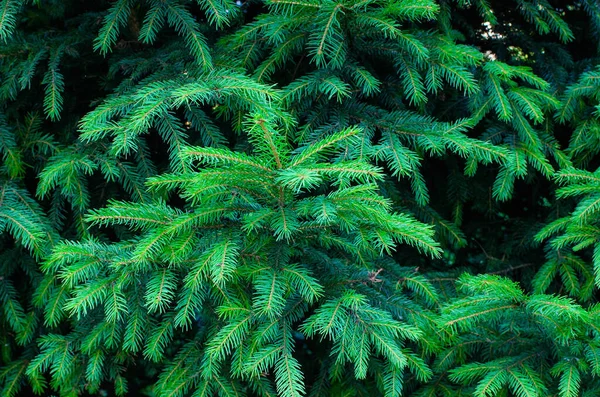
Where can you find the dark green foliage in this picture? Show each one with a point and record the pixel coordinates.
(300, 198)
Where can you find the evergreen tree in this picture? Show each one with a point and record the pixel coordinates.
(300, 198)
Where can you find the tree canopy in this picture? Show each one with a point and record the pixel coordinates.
(300, 198)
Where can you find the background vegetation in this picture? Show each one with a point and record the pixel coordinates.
(300, 198)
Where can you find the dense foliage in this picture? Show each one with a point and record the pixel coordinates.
(300, 198)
